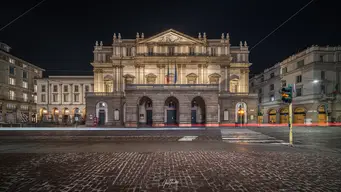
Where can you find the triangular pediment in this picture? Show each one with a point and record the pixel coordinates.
(128, 76)
(171, 36)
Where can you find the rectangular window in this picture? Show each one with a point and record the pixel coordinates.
(272, 98)
(25, 84)
(66, 97)
(86, 88)
(191, 51)
(43, 88)
(272, 75)
(284, 83)
(298, 92)
(55, 88)
(284, 70)
(150, 51)
(11, 81)
(11, 70)
(272, 87)
(43, 98)
(129, 51)
(24, 74)
(300, 64)
(323, 89)
(323, 75)
(55, 97)
(76, 88)
(11, 95)
(24, 96)
(226, 115)
(35, 99)
(66, 88)
(299, 79)
(35, 88)
(213, 51)
(171, 51)
(11, 60)
(76, 98)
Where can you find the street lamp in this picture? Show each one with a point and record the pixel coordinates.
(315, 81)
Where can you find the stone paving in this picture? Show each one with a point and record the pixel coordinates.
(171, 171)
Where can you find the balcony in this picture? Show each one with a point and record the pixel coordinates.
(238, 94)
(171, 54)
(160, 87)
(103, 94)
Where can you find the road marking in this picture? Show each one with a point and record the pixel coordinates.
(188, 138)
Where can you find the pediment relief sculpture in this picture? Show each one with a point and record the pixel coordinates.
(171, 36)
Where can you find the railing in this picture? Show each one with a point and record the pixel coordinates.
(173, 54)
(104, 94)
(173, 86)
(239, 94)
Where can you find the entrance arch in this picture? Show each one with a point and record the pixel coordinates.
(145, 111)
(322, 116)
(198, 111)
(272, 115)
(102, 112)
(299, 115)
(241, 113)
(284, 115)
(172, 111)
(55, 114)
(66, 115)
(43, 114)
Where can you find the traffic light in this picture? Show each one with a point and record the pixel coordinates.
(287, 94)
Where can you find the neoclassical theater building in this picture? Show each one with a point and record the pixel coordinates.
(170, 79)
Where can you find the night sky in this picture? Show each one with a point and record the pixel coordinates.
(59, 35)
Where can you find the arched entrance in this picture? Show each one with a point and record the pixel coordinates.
(172, 111)
(198, 111)
(43, 113)
(272, 116)
(284, 115)
(322, 116)
(102, 113)
(299, 115)
(55, 115)
(145, 111)
(241, 113)
(66, 115)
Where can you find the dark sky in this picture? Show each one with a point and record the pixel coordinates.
(60, 34)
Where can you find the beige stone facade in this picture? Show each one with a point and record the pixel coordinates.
(170, 79)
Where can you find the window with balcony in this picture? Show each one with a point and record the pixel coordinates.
(323, 75)
(66, 88)
(272, 87)
(150, 51)
(11, 81)
(272, 97)
(11, 95)
(300, 64)
(284, 70)
(25, 97)
(43, 98)
(171, 51)
(24, 74)
(272, 75)
(43, 88)
(55, 88)
(76, 88)
(299, 79)
(298, 92)
(191, 51)
(86, 88)
(11, 70)
(25, 84)
(76, 98)
(213, 51)
(66, 97)
(284, 83)
(55, 97)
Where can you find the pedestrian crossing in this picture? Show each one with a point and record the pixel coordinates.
(247, 136)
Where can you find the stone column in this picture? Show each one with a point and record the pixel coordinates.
(114, 71)
(180, 73)
(159, 75)
(136, 74)
(71, 93)
(144, 75)
(81, 95)
(202, 74)
(61, 93)
(199, 79)
(226, 80)
(100, 81)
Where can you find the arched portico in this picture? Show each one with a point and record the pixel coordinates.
(102, 112)
(198, 111)
(145, 111)
(241, 113)
(171, 111)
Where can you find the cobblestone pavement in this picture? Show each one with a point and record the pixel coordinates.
(171, 171)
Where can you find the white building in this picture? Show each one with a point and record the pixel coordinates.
(18, 88)
(62, 98)
(315, 75)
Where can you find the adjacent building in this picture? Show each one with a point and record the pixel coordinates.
(18, 88)
(315, 75)
(61, 99)
(170, 79)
